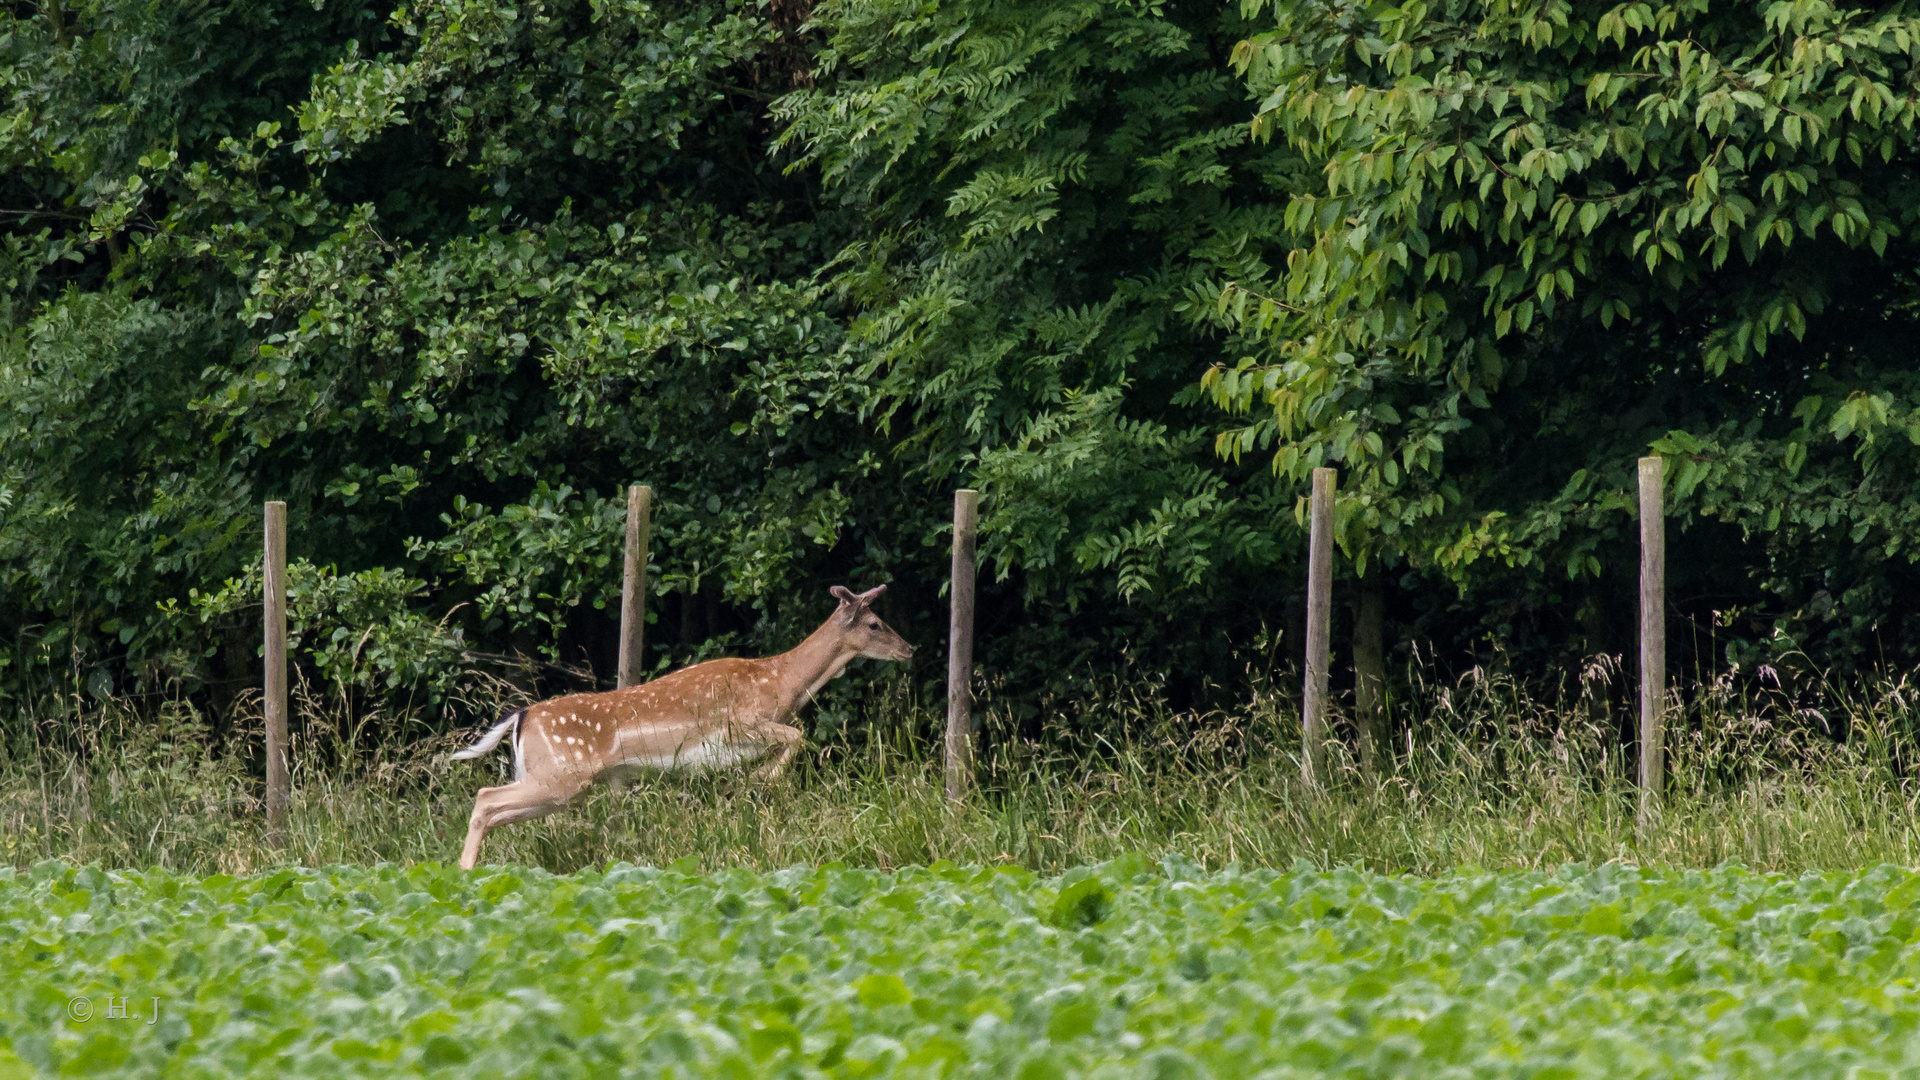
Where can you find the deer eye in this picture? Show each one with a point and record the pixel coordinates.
(875, 624)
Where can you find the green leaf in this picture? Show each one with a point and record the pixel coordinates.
(1083, 903)
(876, 991)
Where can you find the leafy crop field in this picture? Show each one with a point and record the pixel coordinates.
(1129, 969)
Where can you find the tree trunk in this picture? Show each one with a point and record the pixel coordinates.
(690, 617)
(1370, 671)
(710, 600)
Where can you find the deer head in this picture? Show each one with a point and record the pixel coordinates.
(861, 631)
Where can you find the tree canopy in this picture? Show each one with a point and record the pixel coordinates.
(446, 276)
(1553, 237)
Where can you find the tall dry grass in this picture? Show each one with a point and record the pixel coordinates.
(1491, 770)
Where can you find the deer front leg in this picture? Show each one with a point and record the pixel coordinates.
(786, 743)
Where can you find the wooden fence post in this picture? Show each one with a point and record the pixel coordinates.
(966, 512)
(1653, 640)
(633, 587)
(276, 675)
(1313, 718)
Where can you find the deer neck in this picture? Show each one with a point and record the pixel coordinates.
(806, 667)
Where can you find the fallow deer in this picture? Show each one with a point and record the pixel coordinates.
(709, 716)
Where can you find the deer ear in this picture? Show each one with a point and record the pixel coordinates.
(842, 594)
(872, 594)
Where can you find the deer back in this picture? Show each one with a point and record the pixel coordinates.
(656, 723)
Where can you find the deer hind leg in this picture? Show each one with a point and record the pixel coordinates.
(786, 743)
(523, 800)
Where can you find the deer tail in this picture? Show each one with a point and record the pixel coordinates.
(508, 723)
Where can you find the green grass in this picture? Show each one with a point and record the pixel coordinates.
(1131, 892)
(1131, 969)
(1487, 774)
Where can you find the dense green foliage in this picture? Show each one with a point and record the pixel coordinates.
(1047, 185)
(1126, 969)
(446, 277)
(445, 291)
(1554, 237)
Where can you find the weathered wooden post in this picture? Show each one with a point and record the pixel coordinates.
(1653, 640)
(633, 587)
(275, 581)
(1313, 718)
(966, 513)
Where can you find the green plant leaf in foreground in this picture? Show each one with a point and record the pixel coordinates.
(938, 971)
